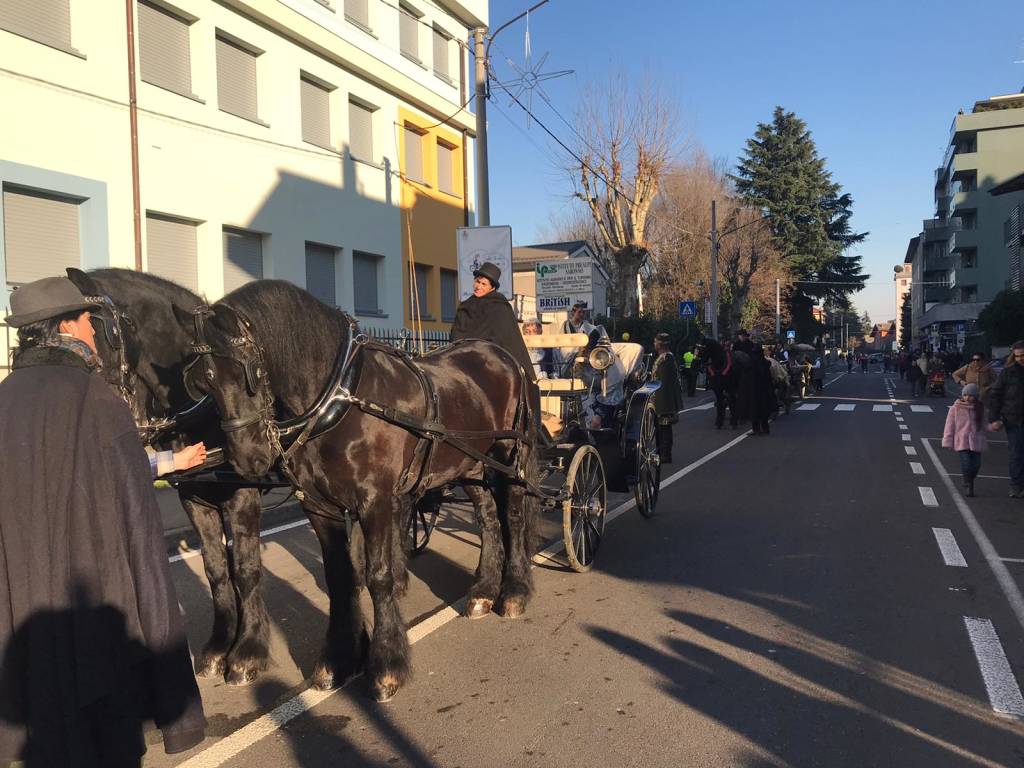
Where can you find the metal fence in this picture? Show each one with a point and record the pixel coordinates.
(403, 338)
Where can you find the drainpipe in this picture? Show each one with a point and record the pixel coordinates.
(465, 179)
(133, 117)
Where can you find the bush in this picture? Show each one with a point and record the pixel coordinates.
(1003, 319)
(642, 329)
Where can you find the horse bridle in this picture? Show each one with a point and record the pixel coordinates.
(114, 334)
(250, 359)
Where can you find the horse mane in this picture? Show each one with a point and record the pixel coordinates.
(300, 337)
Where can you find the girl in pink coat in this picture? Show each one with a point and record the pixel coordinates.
(965, 434)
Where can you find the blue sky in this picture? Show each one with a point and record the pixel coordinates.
(878, 84)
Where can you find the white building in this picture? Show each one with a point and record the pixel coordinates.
(275, 138)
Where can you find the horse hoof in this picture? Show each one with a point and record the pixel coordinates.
(384, 690)
(210, 666)
(240, 675)
(512, 607)
(478, 607)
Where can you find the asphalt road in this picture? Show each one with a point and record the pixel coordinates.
(789, 605)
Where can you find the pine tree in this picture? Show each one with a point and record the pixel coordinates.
(782, 174)
(906, 322)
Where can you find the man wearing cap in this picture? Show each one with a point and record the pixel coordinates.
(92, 641)
(668, 399)
(488, 315)
(743, 342)
(1006, 411)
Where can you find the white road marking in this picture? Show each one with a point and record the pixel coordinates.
(916, 468)
(905, 438)
(1012, 559)
(911, 450)
(927, 496)
(899, 417)
(882, 408)
(951, 554)
(921, 409)
(809, 407)
(999, 570)
(704, 407)
(845, 407)
(231, 745)
(1003, 692)
(904, 426)
(987, 477)
(263, 535)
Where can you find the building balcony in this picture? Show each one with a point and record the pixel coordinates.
(936, 293)
(964, 163)
(937, 263)
(940, 175)
(963, 200)
(962, 239)
(942, 207)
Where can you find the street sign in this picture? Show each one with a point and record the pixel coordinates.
(961, 338)
(707, 311)
(961, 327)
(688, 309)
(791, 334)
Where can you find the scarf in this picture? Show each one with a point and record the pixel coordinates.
(77, 347)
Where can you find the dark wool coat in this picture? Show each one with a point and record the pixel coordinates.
(668, 399)
(490, 317)
(90, 629)
(763, 403)
(1006, 396)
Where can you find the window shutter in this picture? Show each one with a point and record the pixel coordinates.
(320, 273)
(449, 293)
(445, 168)
(364, 276)
(236, 80)
(413, 155)
(171, 251)
(358, 11)
(360, 129)
(243, 258)
(316, 113)
(45, 21)
(41, 235)
(441, 54)
(422, 278)
(408, 32)
(164, 54)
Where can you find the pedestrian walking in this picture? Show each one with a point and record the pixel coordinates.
(690, 371)
(914, 375)
(965, 434)
(863, 363)
(922, 366)
(668, 399)
(977, 371)
(1006, 411)
(818, 375)
(849, 363)
(92, 641)
(764, 405)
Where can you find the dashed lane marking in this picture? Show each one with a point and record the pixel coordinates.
(882, 408)
(1003, 692)
(999, 569)
(809, 407)
(905, 437)
(921, 409)
(845, 407)
(904, 426)
(951, 554)
(917, 468)
(927, 496)
(911, 450)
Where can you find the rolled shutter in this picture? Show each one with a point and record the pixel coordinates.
(422, 280)
(360, 130)
(449, 293)
(316, 113)
(320, 273)
(364, 279)
(171, 251)
(236, 80)
(358, 11)
(243, 258)
(46, 21)
(165, 59)
(41, 235)
(408, 32)
(413, 155)
(441, 53)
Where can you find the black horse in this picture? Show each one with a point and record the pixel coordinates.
(267, 351)
(725, 376)
(144, 350)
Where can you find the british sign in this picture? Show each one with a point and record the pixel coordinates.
(562, 283)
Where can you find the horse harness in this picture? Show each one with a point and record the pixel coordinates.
(286, 437)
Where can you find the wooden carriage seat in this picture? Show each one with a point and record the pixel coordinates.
(553, 390)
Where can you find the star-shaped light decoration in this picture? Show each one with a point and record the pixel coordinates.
(530, 77)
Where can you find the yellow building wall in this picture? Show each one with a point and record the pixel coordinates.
(429, 218)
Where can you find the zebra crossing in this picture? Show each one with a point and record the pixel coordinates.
(852, 407)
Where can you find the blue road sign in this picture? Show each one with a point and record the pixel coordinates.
(688, 309)
(791, 334)
(961, 327)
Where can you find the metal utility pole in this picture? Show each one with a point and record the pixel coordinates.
(483, 194)
(778, 314)
(714, 272)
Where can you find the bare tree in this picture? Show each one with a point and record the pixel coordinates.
(627, 135)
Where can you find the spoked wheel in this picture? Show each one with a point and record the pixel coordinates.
(584, 510)
(648, 464)
(420, 524)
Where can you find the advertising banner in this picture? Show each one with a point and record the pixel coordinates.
(474, 246)
(560, 284)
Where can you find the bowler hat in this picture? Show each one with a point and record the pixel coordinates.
(490, 271)
(46, 299)
(663, 338)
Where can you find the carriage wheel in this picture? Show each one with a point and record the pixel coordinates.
(648, 464)
(584, 510)
(420, 524)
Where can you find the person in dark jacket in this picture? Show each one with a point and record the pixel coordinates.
(668, 400)
(763, 403)
(488, 315)
(92, 641)
(743, 342)
(1006, 411)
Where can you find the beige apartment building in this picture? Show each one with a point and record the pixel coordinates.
(272, 138)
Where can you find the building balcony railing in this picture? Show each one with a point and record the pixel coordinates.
(961, 239)
(936, 293)
(937, 262)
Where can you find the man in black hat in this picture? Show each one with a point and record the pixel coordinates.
(92, 641)
(488, 315)
(668, 400)
(743, 342)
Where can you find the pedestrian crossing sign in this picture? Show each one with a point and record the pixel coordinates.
(688, 309)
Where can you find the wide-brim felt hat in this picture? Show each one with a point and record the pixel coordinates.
(489, 270)
(45, 299)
